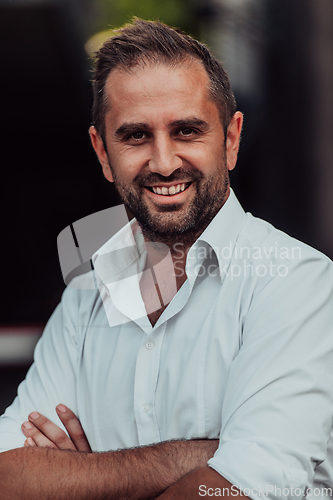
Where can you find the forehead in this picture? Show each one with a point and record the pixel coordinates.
(158, 89)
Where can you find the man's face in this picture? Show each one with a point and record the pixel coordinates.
(166, 150)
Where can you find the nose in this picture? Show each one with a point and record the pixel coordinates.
(164, 158)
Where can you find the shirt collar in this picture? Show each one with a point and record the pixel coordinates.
(125, 251)
(222, 233)
(122, 254)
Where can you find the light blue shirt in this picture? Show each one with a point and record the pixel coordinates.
(244, 353)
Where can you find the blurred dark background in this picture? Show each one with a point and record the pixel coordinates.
(279, 54)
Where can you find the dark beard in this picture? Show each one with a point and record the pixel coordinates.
(164, 225)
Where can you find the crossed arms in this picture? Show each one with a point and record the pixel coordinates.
(53, 465)
(267, 430)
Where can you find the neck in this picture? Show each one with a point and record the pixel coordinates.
(160, 247)
(168, 262)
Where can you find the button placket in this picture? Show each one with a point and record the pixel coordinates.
(146, 375)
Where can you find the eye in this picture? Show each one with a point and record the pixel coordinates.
(137, 136)
(186, 132)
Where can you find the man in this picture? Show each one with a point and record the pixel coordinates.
(206, 323)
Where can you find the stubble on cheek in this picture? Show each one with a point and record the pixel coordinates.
(175, 222)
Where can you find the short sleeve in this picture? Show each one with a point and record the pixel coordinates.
(51, 379)
(278, 405)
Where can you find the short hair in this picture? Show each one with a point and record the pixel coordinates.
(144, 42)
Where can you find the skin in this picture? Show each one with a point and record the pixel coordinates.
(40, 431)
(180, 476)
(180, 139)
(163, 130)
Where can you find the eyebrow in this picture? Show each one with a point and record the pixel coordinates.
(190, 122)
(130, 128)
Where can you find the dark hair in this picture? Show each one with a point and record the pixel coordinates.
(154, 42)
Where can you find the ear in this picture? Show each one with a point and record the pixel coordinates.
(98, 146)
(233, 139)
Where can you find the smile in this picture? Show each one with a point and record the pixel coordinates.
(169, 191)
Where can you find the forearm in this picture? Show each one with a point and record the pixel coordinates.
(200, 482)
(135, 474)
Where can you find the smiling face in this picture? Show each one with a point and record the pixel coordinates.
(165, 149)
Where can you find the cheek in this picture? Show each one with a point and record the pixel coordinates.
(206, 160)
(127, 164)
(205, 156)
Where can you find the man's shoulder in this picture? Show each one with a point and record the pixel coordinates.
(85, 281)
(81, 297)
(268, 242)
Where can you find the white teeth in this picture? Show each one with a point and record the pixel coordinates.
(169, 191)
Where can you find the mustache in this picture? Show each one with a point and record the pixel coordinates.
(190, 174)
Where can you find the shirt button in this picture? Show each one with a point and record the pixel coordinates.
(145, 408)
(149, 345)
